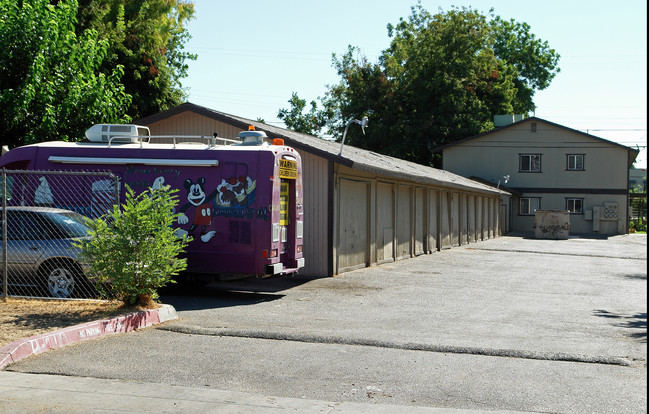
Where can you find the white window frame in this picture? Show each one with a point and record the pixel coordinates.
(571, 205)
(530, 207)
(574, 158)
(533, 167)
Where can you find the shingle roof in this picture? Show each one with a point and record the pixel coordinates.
(352, 157)
(533, 119)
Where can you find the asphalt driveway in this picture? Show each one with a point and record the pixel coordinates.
(506, 324)
(576, 297)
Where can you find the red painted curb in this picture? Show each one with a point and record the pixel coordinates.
(34, 345)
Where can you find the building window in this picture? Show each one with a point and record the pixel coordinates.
(575, 205)
(575, 162)
(533, 127)
(530, 163)
(528, 205)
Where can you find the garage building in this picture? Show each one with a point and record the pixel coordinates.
(362, 208)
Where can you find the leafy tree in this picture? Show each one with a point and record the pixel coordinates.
(295, 119)
(134, 249)
(442, 78)
(50, 85)
(532, 60)
(147, 38)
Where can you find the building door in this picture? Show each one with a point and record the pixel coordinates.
(353, 231)
(384, 222)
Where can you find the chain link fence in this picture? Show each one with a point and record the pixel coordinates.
(638, 216)
(42, 214)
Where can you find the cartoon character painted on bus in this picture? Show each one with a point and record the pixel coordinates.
(231, 193)
(235, 191)
(202, 209)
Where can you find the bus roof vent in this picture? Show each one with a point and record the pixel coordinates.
(117, 132)
(252, 137)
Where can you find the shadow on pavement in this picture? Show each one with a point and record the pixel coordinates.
(637, 322)
(223, 294)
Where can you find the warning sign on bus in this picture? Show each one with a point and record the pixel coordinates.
(288, 169)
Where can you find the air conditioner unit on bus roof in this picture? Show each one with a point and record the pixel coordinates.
(117, 132)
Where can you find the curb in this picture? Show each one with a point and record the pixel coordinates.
(410, 346)
(35, 345)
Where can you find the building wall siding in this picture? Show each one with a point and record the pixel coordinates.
(190, 123)
(316, 222)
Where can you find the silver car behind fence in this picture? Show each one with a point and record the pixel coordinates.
(41, 216)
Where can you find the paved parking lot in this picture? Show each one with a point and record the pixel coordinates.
(581, 296)
(506, 324)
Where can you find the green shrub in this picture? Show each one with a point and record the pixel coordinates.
(638, 224)
(133, 249)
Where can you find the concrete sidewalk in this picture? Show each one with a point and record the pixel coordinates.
(28, 393)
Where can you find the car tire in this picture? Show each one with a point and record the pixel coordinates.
(60, 280)
(64, 280)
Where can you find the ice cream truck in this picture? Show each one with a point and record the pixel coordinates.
(240, 200)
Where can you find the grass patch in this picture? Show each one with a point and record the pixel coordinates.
(22, 318)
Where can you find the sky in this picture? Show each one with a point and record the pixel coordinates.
(253, 54)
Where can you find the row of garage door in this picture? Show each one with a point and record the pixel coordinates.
(382, 221)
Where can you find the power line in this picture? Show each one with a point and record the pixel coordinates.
(619, 129)
(262, 54)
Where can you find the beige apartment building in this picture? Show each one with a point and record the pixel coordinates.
(549, 167)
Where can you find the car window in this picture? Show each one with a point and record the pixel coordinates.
(32, 226)
(21, 226)
(69, 224)
(13, 228)
(28, 225)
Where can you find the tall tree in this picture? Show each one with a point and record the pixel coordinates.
(147, 37)
(50, 83)
(442, 78)
(296, 119)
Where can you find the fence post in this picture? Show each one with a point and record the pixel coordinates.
(116, 187)
(4, 235)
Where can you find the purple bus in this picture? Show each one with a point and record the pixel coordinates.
(240, 200)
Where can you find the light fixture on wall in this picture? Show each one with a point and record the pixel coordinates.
(362, 123)
(506, 177)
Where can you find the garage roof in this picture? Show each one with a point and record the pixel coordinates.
(352, 157)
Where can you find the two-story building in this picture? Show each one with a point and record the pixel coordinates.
(550, 167)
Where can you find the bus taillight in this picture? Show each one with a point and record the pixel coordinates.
(265, 254)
